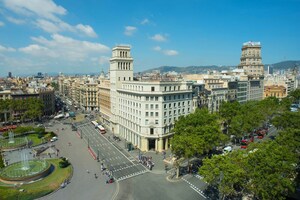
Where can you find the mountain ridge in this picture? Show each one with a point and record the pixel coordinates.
(283, 65)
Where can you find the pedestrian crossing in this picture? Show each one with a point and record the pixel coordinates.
(131, 175)
(200, 192)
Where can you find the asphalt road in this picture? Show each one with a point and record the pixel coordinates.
(115, 159)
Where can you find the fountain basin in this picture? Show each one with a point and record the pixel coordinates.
(17, 172)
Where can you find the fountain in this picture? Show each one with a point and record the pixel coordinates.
(25, 170)
(24, 161)
(11, 137)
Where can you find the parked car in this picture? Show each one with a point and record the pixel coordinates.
(54, 139)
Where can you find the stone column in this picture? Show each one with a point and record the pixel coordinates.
(166, 144)
(144, 144)
(160, 144)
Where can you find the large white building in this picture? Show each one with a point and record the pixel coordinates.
(144, 112)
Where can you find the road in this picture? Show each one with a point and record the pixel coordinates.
(119, 162)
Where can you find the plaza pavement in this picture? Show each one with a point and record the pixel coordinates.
(83, 185)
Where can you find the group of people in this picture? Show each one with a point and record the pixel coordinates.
(147, 161)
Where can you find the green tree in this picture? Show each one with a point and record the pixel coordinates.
(287, 120)
(196, 134)
(272, 169)
(227, 172)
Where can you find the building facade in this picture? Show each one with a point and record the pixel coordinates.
(251, 61)
(144, 112)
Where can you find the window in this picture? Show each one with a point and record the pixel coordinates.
(156, 106)
(151, 131)
(152, 89)
(147, 114)
(165, 113)
(174, 105)
(165, 106)
(170, 105)
(156, 98)
(156, 121)
(147, 98)
(124, 78)
(178, 104)
(151, 106)
(156, 114)
(151, 114)
(146, 121)
(147, 106)
(169, 97)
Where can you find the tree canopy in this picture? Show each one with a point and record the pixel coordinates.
(197, 133)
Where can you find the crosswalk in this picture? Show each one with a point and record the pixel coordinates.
(196, 189)
(131, 175)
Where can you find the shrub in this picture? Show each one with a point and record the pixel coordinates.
(1, 161)
(64, 163)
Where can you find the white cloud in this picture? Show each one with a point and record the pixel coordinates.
(53, 27)
(145, 21)
(170, 52)
(45, 14)
(64, 48)
(104, 60)
(129, 30)
(157, 48)
(159, 38)
(42, 8)
(15, 20)
(87, 30)
(6, 49)
(1, 24)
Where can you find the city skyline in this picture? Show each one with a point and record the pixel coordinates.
(59, 36)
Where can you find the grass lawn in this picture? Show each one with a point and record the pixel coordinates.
(39, 188)
(34, 138)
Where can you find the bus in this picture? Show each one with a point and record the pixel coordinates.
(95, 123)
(7, 128)
(101, 129)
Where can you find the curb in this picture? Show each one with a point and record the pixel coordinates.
(172, 180)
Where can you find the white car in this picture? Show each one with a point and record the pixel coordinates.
(54, 139)
(227, 149)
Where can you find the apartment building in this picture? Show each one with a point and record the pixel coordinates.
(144, 112)
(251, 61)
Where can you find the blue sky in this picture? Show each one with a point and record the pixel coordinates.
(77, 36)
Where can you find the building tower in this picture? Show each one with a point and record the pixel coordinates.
(251, 60)
(121, 69)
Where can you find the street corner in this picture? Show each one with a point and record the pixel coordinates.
(172, 178)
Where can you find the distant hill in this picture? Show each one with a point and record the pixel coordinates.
(203, 69)
(285, 64)
(189, 69)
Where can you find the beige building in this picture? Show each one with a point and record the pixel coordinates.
(277, 91)
(251, 61)
(104, 101)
